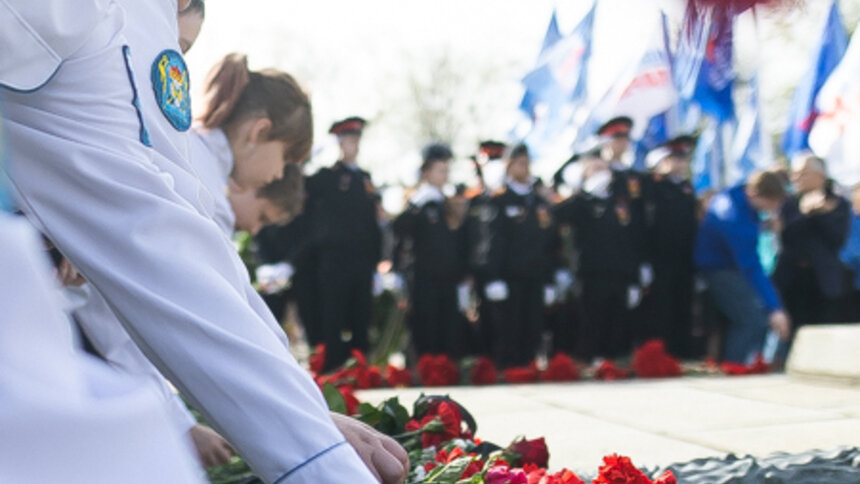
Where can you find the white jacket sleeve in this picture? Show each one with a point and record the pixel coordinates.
(66, 418)
(110, 339)
(80, 172)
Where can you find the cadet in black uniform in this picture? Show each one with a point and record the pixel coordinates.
(436, 240)
(636, 188)
(524, 254)
(292, 244)
(672, 235)
(607, 240)
(490, 173)
(342, 213)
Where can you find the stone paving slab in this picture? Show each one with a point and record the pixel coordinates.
(662, 421)
(826, 350)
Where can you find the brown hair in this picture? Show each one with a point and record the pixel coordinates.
(767, 184)
(288, 192)
(232, 94)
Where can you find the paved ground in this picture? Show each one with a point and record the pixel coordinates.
(661, 422)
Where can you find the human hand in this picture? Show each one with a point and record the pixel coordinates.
(812, 202)
(212, 449)
(385, 458)
(68, 275)
(780, 323)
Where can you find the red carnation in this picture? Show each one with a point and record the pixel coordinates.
(484, 372)
(448, 424)
(563, 476)
(437, 370)
(349, 399)
(651, 361)
(620, 470)
(609, 371)
(367, 377)
(532, 452)
(666, 478)
(504, 475)
(522, 374)
(360, 359)
(560, 368)
(317, 359)
(398, 377)
(756, 367)
(473, 468)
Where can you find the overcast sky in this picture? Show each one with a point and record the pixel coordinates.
(357, 57)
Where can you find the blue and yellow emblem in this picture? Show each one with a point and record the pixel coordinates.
(170, 83)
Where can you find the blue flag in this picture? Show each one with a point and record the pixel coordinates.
(703, 64)
(751, 149)
(556, 84)
(656, 133)
(708, 159)
(802, 112)
(552, 36)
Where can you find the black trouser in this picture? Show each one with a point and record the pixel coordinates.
(306, 295)
(670, 308)
(805, 302)
(435, 320)
(519, 323)
(345, 304)
(605, 329)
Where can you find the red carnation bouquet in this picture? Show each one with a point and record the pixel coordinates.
(651, 361)
(437, 371)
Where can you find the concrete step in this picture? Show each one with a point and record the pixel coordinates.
(830, 352)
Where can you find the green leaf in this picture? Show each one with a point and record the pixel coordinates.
(334, 399)
(398, 414)
(452, 471)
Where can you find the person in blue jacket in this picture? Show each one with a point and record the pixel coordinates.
(726, 256)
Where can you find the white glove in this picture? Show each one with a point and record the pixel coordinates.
(378, 284)
(549, 296)
(464, 296)
(646, 274)
(273, 278)
(496, 290)
(394, 282)
(563, 280)
(634, 296)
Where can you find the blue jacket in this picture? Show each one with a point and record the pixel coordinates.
(728, 239)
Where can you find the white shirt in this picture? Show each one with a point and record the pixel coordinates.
(212, 159)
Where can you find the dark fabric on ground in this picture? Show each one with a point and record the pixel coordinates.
(841, 466)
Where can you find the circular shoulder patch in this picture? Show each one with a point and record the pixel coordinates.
(170, 84)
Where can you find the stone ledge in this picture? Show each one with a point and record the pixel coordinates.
(826, 352)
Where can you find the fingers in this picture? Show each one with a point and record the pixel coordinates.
(389, 467)
(396, 450)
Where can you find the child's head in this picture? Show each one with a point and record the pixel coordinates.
(265, 114)
(190, 21)
(276, 203)
(519, 160)
(434, 166)
(348, 132)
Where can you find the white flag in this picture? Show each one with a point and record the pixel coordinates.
(836, 132)
(645, 89)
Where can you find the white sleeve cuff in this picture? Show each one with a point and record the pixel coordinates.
(335, 464)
